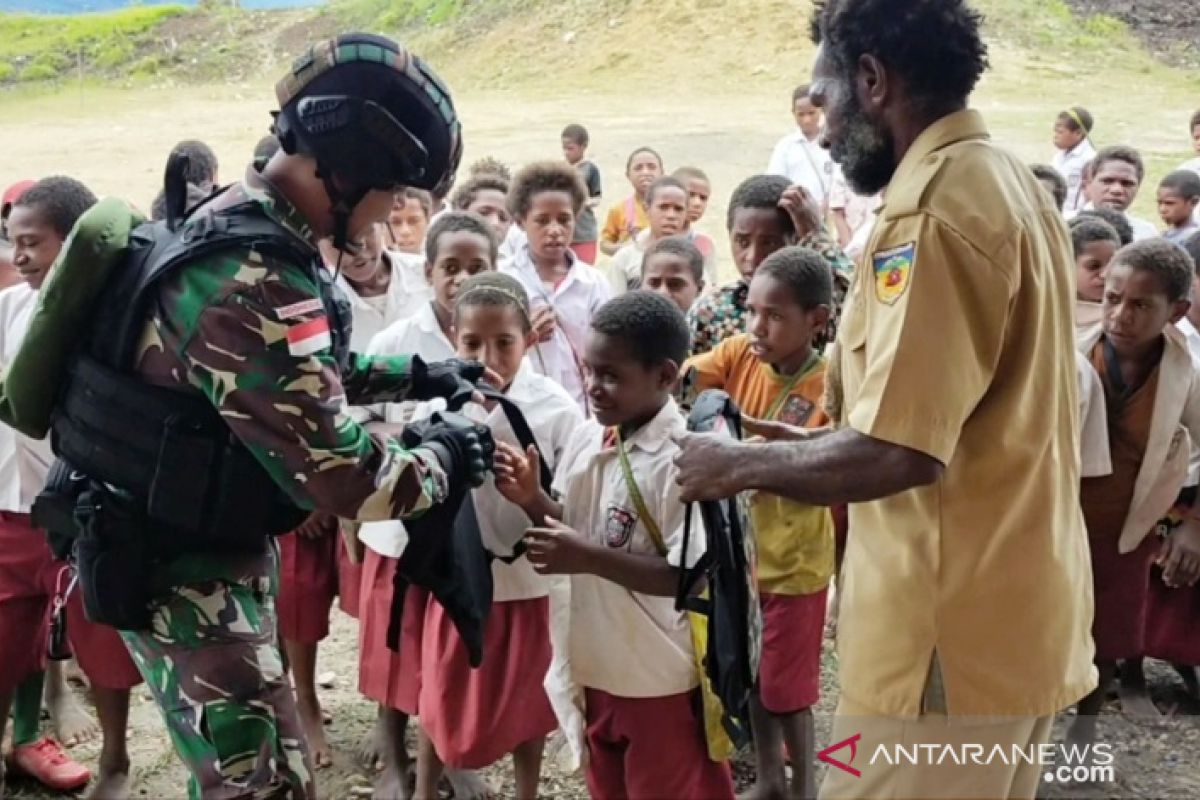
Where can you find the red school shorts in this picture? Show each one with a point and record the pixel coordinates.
(385, 675)
(789, 674)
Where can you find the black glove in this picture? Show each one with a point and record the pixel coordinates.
(464, 449)
(444, 379)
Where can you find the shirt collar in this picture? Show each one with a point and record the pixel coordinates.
(651, 437)
(925, 153)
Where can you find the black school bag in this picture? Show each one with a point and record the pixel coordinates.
(727, 571)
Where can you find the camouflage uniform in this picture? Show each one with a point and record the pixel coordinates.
(221, 327)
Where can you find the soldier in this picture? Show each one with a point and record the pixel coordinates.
(255, 332)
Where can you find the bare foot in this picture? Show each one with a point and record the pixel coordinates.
(1131, 689)
(371, 746)
(394, 783)
(74, 674)
(1191, 679)
(71, 723)
(113, 785)
(314, 730)
(466, 784)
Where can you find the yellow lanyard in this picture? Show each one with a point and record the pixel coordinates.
(786, 391)
(635, 495)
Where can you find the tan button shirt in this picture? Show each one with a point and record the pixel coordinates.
(958, 342)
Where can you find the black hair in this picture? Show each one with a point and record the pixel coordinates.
(801, 92)
(202, 162)
(453, 222)
(1167, 261)
(638, 152)
(806, 274)
(545, 176)
(490, 165)
(1119, 152)
(1114, 218)
(664, 183)
(1088, 229)
(1183, 182)
(484, 181)
(680, 246)
(1195, 122)
(61, 201)
(691, 174)
(652, 325)
(497, 290)
(760, 191)
(577, 134)
(421, 196)
(1044, 172)
(935, 46)
(265, 149)
(1077, 118)
(1192, 247)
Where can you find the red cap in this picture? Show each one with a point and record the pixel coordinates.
(13, 193)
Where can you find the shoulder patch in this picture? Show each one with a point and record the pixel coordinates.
(310, 337)
(893, 269)
(301, 309)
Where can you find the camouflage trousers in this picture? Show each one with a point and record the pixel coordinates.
(212, 660)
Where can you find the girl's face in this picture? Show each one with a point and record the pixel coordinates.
(1065, 137)
(460, 254)
(408, 222)
(698, 193)
(550, 224)
(644, 170)
(496, 336)
(35, 244)
(366, 263)
(1089, 269)
(491, 204)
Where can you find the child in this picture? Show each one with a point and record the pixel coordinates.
(486, 194)
(851, 211)
(1072, 151)
(1115, 219)
(473, 717)
(667, 200)
(699, 189)
(31, 579)
(409, 220)
(1053, 182)
(774, 374)
(1094, 243)
(674, 268)
(574, 145)
(765, 215)
(200, 172)
(1194, 131)
(1152, 399)
(1116, 175)
(618, 533)
(564, 292)
(799, 156)
(629, 218)
(1178, 198)
(459, 245)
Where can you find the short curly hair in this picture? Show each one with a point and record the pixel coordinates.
(804, 271)
(202, 161)
(1167, 261)
(760, 191)
(454, 222)
(465, 195)
(1114, 218)
(490, 165)
(1045, 172)
(1123, 153)
(545, 176)
(60, 200)
(1183, 182)
(652, 325)
(680, 246)
(1088, 229)
(935, 45)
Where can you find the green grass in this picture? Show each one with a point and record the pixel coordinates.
(34, 47)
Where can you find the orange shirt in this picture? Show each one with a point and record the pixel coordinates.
(795, 541)
(620, 226)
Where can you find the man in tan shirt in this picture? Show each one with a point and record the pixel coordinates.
(966, 600)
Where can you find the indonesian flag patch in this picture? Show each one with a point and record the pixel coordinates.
(309, 337)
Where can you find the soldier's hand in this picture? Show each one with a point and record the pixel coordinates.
(445, 378)
(465, 452)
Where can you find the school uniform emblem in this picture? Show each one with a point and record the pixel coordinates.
(795, 411)
(893, 269)
(618, 526)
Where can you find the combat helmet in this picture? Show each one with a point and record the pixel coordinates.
(372, 113)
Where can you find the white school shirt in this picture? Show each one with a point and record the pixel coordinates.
(407, 291)
(422, 336)
(514, 240)
(1094, 454)
(1191, 338)
(621, 642)
(1194, 166)
(26, 462)
(1070, 164)
(802, 160)
(1142, 229)
(575, 299)
(860, 209)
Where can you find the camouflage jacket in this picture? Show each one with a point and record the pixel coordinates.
(250, 333)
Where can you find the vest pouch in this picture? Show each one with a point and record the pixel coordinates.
(113, 560)
(183, 473)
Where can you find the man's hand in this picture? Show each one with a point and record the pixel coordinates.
(557, 550)
(1180, 555)
(517, 474)
(805, 212)
(707, 465)
(771, 431)
(317, 524)
(544, 322)
(465, 451)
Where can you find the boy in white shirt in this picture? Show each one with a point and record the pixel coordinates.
(799, 156)
(618, 534)
(1113, 180)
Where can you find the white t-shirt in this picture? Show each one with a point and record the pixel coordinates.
(1142, 229)
(621, 642)
(802, 160)
(1070, 164)
(859, 209)
(24, 462)
(407, 291)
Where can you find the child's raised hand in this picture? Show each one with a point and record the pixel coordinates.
(543, 323)
(1180, 556)
(770, 431)
(517, 474)
(556, 549)
(804, 210)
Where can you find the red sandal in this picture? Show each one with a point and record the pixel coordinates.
(46, 762)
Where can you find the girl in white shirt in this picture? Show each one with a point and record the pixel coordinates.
(1073, 151)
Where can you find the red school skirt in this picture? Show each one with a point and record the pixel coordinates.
(308, 582)
(384, 675)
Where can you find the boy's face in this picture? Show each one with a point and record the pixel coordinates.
(1115, 185)
(35, 244)
(1064, 137)
(363, 265)
(550, 225)
(808, 117)
(698, 193)
(755, 234)
(572, 150)
(620, 388)
(671, 276)
(408, 223)
(1136, 308)
(643, 171)
(781, 331)
(668, 212)
(491, 204)
(495, 336)
(460, 255)
(1089, 270)
(1173, 208)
